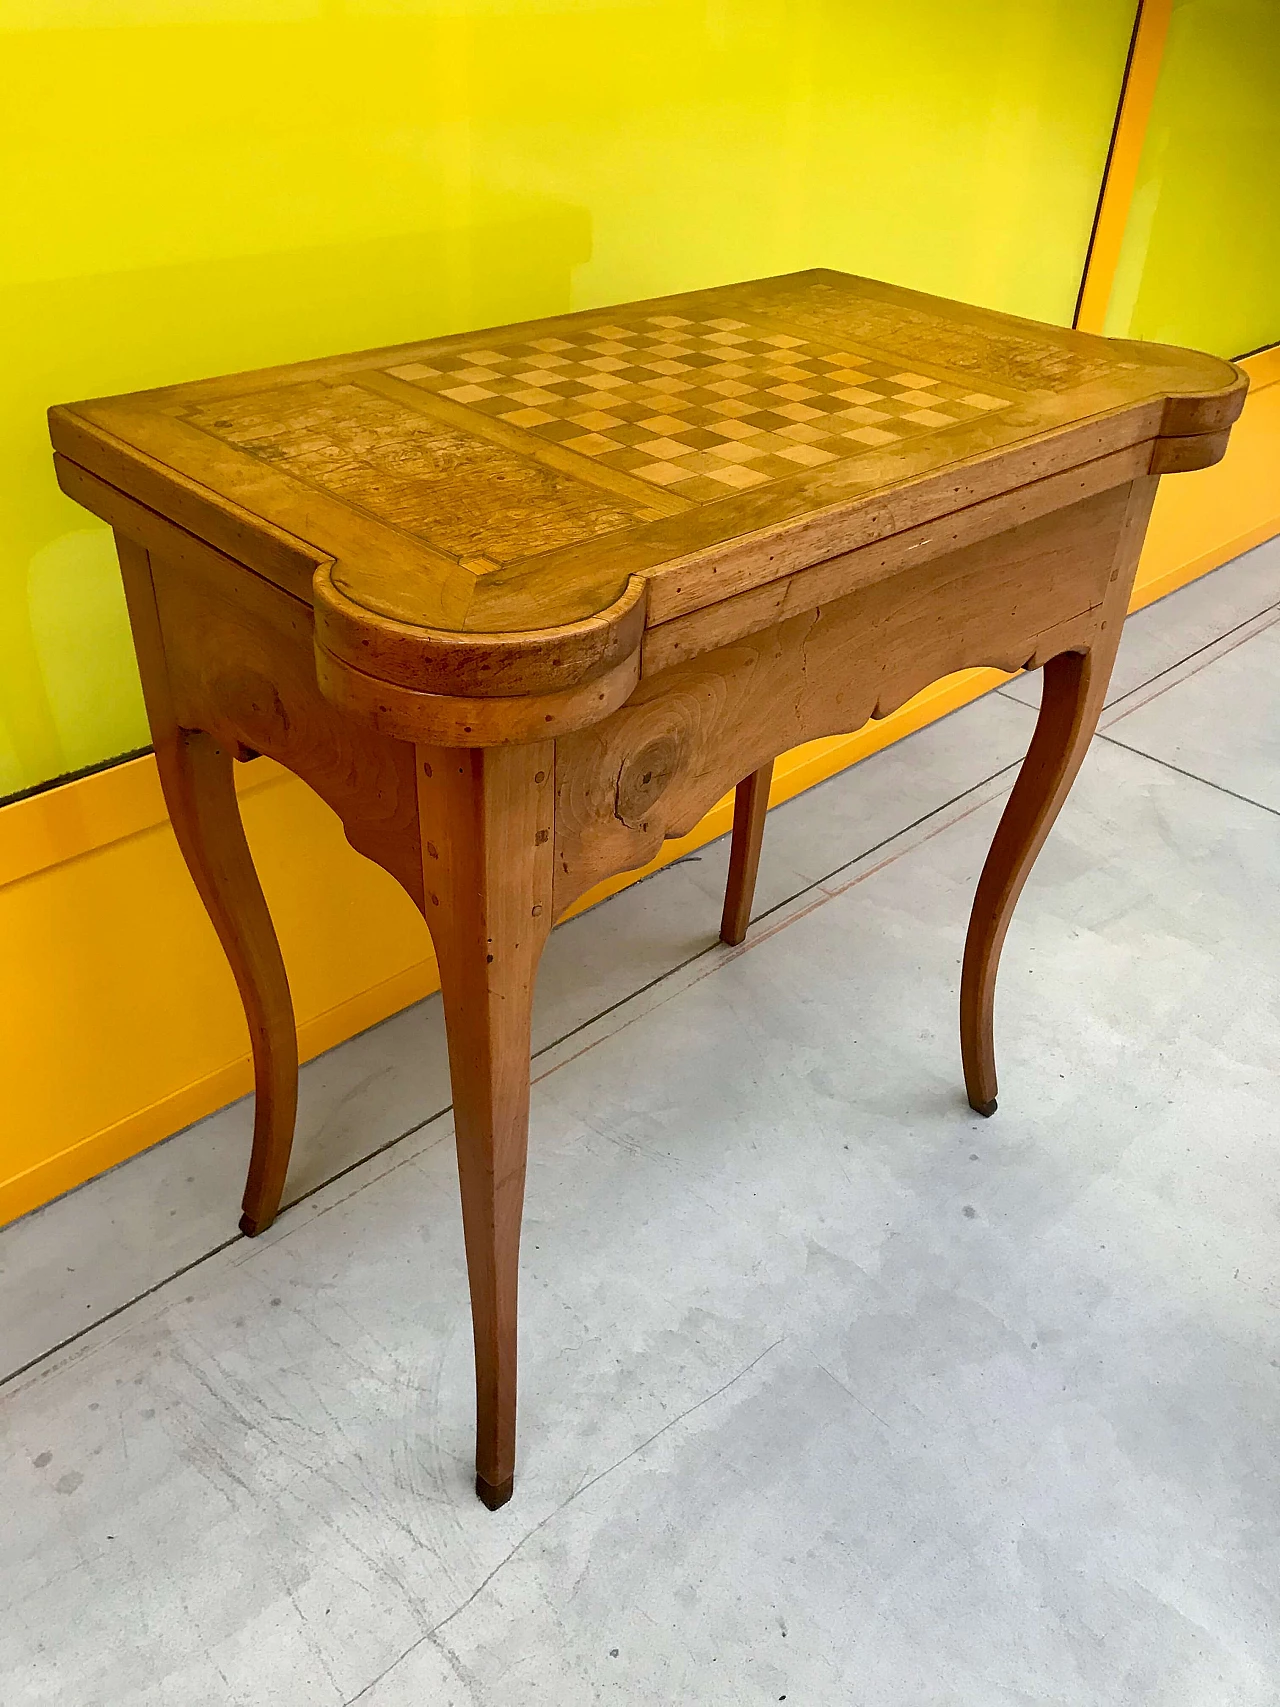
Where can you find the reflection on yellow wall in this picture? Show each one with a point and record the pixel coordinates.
(198, 186)
(1200, 263)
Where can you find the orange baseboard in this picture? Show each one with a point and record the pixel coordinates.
(120, 1021)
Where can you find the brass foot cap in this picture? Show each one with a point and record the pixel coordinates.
(494, 1494)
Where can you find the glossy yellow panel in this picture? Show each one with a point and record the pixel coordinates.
(198, 186)
(1200, 263)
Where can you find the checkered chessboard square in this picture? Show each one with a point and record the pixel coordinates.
(701, 408)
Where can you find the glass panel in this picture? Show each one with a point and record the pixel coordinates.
(1200, 264)
(201, 186)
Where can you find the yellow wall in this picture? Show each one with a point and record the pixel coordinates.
(119, 1021)
(197, 186)
(1200, 261)
(264, 181)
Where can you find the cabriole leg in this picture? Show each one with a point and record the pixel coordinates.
(486, 820)
(750, 804)
(196, 774)
(1075, 687)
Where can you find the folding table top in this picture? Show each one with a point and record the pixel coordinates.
(518, 479)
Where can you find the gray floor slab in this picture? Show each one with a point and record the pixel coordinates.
(831, 1391)
(1217, 721)
(76, 1260)
(1175, 628)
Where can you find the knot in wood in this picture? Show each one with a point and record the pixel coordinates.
(644, 777)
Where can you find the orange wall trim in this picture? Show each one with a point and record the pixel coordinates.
(121, 1023)
(1150, 32)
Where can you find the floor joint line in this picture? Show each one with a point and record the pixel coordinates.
(1178, 770)
(438, 1114)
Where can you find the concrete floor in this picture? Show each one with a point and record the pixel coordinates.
(832, 1392)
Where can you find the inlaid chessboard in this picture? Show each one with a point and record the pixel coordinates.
(700, 407)
(522, 478)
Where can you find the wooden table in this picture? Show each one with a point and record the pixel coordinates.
(521, 603)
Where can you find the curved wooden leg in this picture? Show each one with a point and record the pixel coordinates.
(1074, 687)
(199, 789)
(196, 774)
(750, 804)
(485, 820)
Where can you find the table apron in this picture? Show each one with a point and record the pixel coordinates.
(239, 655)
(678, 639)
(241, 662)
(689, 733)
